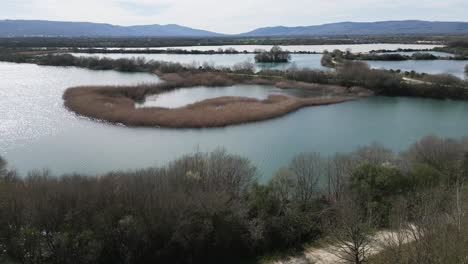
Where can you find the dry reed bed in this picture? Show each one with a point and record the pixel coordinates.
(117, 104)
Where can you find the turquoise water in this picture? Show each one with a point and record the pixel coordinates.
(36, 131)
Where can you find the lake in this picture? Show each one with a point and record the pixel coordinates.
(36, 131)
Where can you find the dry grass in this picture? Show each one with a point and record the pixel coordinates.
(117, 104)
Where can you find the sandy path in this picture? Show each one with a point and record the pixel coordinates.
(328, 254)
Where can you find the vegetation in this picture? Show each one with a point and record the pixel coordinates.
(387, 82)
(394, 56)
(275, 55)
(209, 208)
(457, 46)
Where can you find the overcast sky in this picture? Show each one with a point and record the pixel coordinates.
(233, 16)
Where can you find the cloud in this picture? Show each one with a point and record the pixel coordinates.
(232, 16)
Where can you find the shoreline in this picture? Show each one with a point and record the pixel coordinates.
(116, 104)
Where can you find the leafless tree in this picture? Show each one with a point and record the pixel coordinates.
(441, 154)
(351, 233)
(339, 169)
(307, 169)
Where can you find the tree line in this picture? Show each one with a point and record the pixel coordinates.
(210, 208)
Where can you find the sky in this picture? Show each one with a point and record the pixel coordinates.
(233, 16)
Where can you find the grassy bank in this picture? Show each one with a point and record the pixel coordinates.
(117, 104)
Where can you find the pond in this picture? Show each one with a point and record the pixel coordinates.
(36, 131)
(185, 96)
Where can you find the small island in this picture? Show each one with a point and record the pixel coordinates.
(117, 104)
(275, 55)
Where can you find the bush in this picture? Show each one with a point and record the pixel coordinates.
(423, 56)
(327, 60)
(374, 186)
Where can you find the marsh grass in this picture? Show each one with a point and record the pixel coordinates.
(116, 104)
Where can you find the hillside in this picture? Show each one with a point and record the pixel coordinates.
(373, 28)
(23, 28)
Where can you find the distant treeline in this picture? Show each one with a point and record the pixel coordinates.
(174, 51)
(399, 50)
(401, 57)
(160, 51)
(209, 208)
(386, 55)
(89, 42)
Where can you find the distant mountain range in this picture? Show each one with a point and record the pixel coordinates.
(367, 28)
(28, 28)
